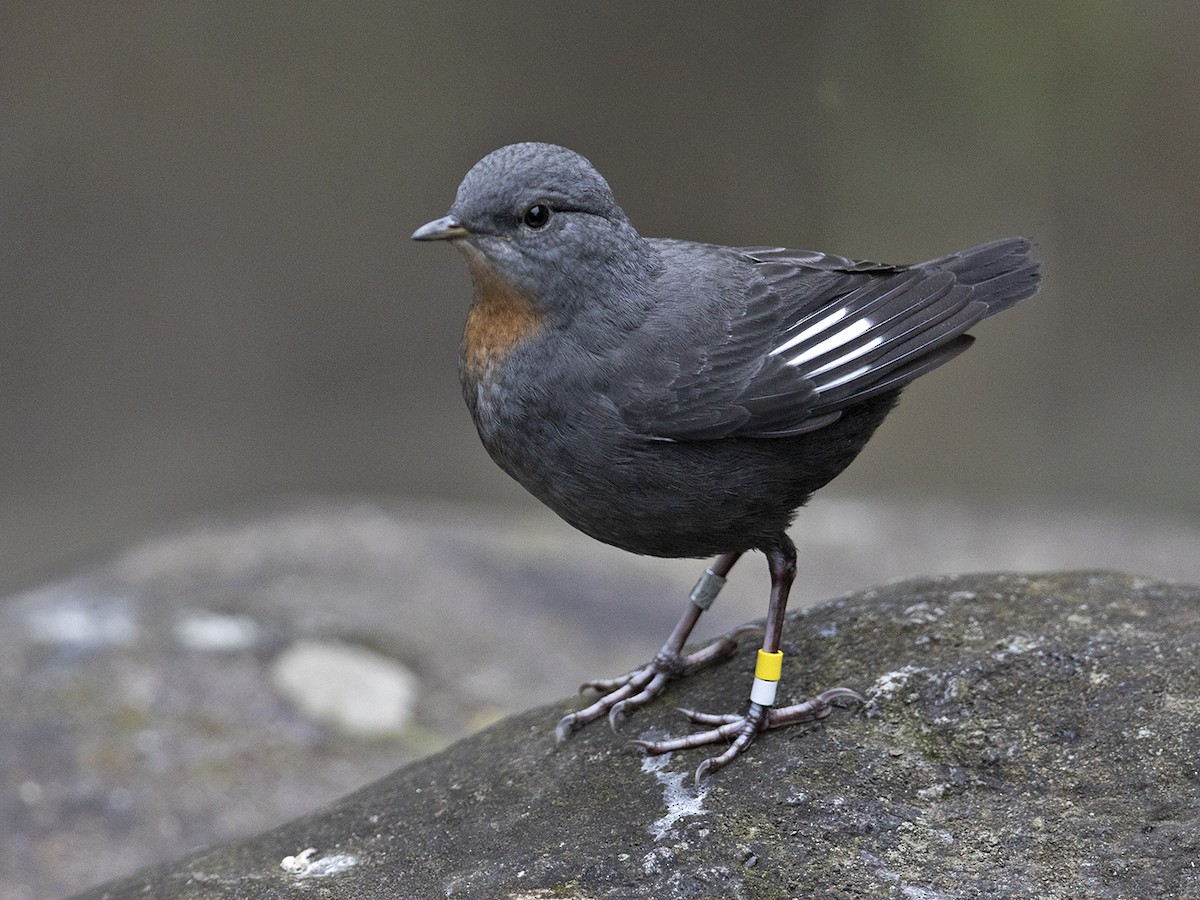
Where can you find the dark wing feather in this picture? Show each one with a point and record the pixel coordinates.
(813, 334)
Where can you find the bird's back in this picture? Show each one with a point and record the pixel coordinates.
(755, 378)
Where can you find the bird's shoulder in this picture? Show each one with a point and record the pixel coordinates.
(700, 367)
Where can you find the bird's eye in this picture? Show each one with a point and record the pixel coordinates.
(537, 215)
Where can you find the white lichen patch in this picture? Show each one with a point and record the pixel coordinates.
(216, 633)
(680, 800)
(653, 862)
(66, 616)
(910, 892)
(302, 865)
(1016, 645)
(923, 613)
(1181, 703)
(972, 632)
(889, 684)
(294, 865)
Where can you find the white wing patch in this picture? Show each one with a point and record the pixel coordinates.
(876, 336)
(831, 319)
(849, 376)
(853, 354)
(857, 328)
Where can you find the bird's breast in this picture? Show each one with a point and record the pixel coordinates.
(501, 318)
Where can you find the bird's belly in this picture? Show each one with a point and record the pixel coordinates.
(654, 497)
(649, 497)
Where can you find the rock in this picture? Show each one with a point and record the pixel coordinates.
(138, 718)
(139, 712)
(1024, 736)
(350, 688)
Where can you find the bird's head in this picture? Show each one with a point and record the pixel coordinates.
(542, 220)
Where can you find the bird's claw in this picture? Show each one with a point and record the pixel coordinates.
(620, 696)
(742, 729)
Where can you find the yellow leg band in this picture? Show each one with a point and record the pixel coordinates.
(769, 666)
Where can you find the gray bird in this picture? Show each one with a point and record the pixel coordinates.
(679, 399)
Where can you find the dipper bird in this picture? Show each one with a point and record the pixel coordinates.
(681, 399)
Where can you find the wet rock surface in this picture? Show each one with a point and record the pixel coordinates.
(1024, 736)
(184, 692)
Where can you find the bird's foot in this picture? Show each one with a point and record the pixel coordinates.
(622, 695)
(743, 729)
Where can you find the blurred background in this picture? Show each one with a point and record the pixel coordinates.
(209, 297)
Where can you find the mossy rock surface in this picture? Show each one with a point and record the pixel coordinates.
(1025, 736)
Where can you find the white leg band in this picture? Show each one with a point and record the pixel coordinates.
(763, 692)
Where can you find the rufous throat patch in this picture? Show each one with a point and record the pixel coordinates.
(500, 318)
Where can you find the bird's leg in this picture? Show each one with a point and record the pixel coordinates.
(762, 714)
(639, 687)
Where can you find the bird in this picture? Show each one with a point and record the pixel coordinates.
(682, 399)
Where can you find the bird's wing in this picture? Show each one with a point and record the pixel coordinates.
(810, 335)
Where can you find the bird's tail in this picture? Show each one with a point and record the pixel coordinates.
(1001, 272)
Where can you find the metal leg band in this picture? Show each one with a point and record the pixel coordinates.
(706, 589)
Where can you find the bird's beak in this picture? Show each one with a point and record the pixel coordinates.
(447, 228)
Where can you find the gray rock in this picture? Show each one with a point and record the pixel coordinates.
(138, 718)
(139, 715)
(346, 687)
(1025, 736)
